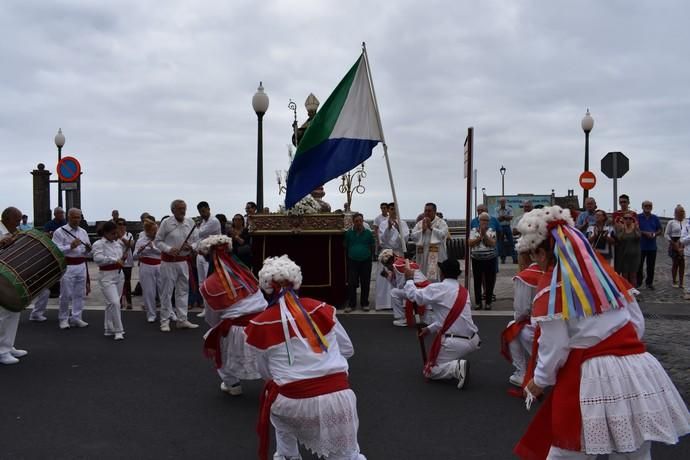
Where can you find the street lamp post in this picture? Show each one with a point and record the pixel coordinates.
(503, 180)
(260, 105)
(587, 125)
(59, 143)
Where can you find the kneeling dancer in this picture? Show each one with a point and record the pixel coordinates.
(233, 296)
(517, 337)
(302, 353)
(608, 394)
(456, 334)
(404, 311)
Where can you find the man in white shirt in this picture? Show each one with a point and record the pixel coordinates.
(208, 225)
(430, 236)
(176, 238)
(456, 335)
(9, 320)
(377, 222)
(390, 235)
(74, 243)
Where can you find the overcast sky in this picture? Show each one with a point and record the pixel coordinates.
(154, 98)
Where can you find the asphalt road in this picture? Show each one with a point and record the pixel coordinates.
(153, 396)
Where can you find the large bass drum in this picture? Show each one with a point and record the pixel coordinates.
(28, 265)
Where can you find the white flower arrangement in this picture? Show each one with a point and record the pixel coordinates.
(279, 270)
(533, 226)
(206, 244)
(307, 205)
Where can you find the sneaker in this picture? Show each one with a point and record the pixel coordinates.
(108, 334)
(7, 359)
(402, 322)
(516, 379)
(64, 324)
(233, 390)
(686, 296)
(477, 307)
(365, 308)
(202, 314)
(463, 373)
(120, 336)
(18, 353)
(78, 322)
(185, 324)
(165, 327)
(38, 318)
(151, 319)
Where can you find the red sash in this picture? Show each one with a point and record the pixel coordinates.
(168, 258)
(300, 389)
(212, 343)
(559, 419)
(411, 308)
(509, 334)
(149, 261)
(109, 267)
(453, 315)
(74, 260)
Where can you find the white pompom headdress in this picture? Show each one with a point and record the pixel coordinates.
(279, 271)
(534, 226)
(214, 240)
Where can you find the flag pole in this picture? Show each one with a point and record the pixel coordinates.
(469, 166)
(383, 142)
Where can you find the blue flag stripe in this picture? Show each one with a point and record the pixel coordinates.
(309, 170)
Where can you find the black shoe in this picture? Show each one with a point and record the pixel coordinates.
(477, 307)
(487, 306)
(650, 287)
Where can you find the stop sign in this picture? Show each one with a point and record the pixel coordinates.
(615, 165)
(588, 180)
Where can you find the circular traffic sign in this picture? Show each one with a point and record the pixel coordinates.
(588, 180)
(68, 169)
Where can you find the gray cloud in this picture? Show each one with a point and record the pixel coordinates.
(155, 98)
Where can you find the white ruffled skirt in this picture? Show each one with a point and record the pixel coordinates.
(326, 425)
(239, 360)
(627, 400)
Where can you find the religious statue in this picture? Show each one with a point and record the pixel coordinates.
(311, 104)
(318, 193)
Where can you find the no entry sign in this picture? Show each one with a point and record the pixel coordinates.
(68, 169)
(588, 180)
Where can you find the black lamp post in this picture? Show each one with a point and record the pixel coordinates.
(260, 105)
(59, 143)
(503, 180)
(587, 125)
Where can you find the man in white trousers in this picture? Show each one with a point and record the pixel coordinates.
(456, 335)
(176, 238)
(149, 257)
(9, 320)
(74, 243)
(109, 254)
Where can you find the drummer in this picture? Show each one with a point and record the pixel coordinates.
(74, 242)
(9, 320)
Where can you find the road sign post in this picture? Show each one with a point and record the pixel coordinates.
(615, 165)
